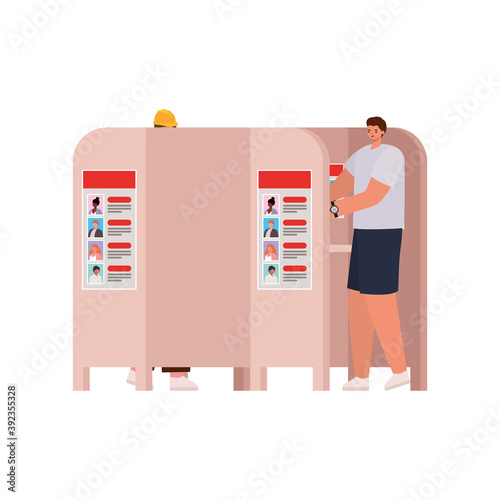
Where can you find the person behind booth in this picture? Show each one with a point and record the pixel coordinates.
(271, 210)
(95, 204)
(96, 232)
(270, 232)
(179, 380)
(376, 173)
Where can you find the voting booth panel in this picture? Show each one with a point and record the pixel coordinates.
(109, 306)
(198, 247)
(292, 169)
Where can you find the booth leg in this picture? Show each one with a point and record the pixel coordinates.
(263, 379)
(418, 380)
(81, 378)
(258, 379)
(143, 379)
(321, 378)
(350, 364)
(241, 379)
(350, 371)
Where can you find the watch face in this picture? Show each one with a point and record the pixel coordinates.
(334, 209)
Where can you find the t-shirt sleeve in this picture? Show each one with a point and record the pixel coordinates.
(350, 163)
(388, 167)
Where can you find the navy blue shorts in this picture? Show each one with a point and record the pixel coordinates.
(374, 267)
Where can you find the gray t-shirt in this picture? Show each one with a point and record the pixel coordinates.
(386, 165)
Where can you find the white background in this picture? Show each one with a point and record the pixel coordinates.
(236, 68)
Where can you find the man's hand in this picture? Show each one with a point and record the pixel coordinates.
(342, 185)
(339, 204)
(332, 215)
(374, 194)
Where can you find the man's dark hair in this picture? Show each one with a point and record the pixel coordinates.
(377, 121)
(271, 267)
(96, 267)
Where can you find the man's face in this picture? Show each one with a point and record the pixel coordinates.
(95, 224)
(96, 272)
(271, 271)
(374, 133)
(271, 224)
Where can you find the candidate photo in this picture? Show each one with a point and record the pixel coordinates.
(94, 226)
(271, 227)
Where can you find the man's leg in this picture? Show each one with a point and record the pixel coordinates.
(385, 317)
(361, 331)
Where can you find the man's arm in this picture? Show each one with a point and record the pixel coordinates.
(342, 185)
(374, 194)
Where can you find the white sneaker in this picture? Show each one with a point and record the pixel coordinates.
(131, 377)
(356, 384)
(397, 380)
(182, 384)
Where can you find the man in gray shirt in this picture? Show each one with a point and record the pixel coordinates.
(376, 173)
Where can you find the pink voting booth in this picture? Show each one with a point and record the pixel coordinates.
(177, 232)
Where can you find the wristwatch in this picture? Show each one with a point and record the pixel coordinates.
(334, 209)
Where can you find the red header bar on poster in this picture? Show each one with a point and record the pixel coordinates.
(109, 179)
(285, 179)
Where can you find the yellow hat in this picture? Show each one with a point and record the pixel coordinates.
(165, 118)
